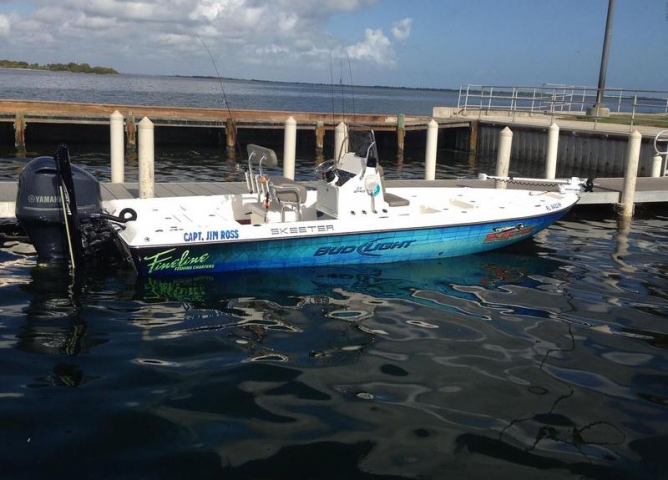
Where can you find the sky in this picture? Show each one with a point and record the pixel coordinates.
(401, 43)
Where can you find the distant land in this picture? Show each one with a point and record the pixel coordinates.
(59, 67)
(335, 85)
(86, 68)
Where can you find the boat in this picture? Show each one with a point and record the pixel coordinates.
(347, 216)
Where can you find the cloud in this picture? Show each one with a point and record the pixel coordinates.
(248, 37)
(4, 25)
(401, 30)
(376, 48)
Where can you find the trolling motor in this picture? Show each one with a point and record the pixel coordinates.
(59, 207)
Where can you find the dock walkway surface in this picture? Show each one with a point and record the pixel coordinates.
(607, 191)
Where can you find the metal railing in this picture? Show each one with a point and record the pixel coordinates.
(566, 99)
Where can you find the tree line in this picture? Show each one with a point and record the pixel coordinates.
(58, 67)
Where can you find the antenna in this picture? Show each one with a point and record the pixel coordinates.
(343, 98)
(222, 88)
(352, 87)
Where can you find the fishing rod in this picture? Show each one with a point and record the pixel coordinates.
(331, 82)
(343, 93)
(222, 88)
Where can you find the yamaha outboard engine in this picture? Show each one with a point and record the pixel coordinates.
(49, 212)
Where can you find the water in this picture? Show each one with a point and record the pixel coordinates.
(211, 92)
(547, 360)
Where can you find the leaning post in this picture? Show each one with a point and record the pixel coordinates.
(117, 147)
(290, 148)
(503, 157)
(631, 174)
(430, 155)
(552, 149)
(146, 158)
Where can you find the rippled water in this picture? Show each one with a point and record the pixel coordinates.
(547, 360)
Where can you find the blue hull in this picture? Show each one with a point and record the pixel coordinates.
(351, 249)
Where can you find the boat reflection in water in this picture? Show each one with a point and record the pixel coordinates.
(351, 293)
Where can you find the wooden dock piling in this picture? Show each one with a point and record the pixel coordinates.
(473, 137)
(319, 136)
(130, 135)
(231, 131)
(401, 132)
(20, 135)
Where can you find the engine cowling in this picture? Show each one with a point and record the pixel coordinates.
(39, 208)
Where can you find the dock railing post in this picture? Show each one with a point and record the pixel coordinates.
(290, 148)
(430, 155)
(117, 147)
(340, 140)
(146, 158)
(631, 174)
(503, 156)
(552, 149)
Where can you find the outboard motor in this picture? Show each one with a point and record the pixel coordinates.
(46, 212)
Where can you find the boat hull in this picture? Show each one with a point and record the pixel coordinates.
(336, 249)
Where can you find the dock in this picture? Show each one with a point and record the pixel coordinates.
(607, 191)
(24, 122)
(596, 149)
(587, 148)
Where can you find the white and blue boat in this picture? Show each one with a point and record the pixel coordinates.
(346, 217)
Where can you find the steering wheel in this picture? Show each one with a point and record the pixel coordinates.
(325, 167)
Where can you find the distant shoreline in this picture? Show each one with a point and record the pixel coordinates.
(86, 68)
(209, 77)
(58, 67)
